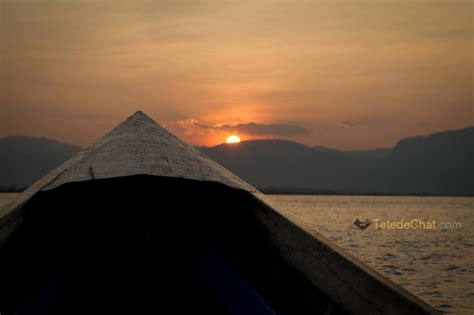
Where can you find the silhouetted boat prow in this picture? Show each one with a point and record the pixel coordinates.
(141, 223)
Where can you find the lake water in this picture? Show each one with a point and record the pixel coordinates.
(436, 264)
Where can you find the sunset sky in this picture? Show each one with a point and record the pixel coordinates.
(344, 74)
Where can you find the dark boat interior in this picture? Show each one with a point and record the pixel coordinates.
(149, 245)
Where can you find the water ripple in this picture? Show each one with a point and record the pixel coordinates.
(436, 265)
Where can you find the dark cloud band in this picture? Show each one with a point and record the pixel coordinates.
(254, 129)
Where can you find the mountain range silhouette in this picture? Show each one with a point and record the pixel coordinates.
(438, 164)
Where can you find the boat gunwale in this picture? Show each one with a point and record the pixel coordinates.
(270, 216)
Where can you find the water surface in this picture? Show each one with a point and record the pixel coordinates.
(437, 264)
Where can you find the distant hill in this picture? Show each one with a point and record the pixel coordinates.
(439, 164)
(23, 160)
(379, 153)
(281, 163)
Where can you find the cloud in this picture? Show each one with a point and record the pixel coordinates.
(370, 122)
(195, 127)
(382, 121)
(254, 129)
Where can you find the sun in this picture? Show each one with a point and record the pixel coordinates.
(233, 139)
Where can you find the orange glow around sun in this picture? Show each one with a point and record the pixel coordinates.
(233, 139)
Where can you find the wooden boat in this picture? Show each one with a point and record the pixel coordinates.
(140, 222)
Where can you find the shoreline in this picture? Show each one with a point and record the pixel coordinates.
(335, 193)
(314, 193)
